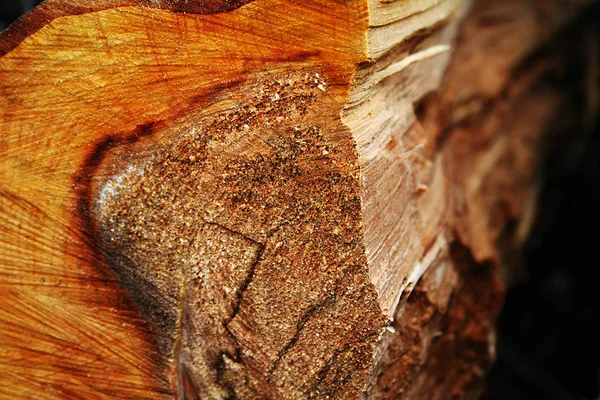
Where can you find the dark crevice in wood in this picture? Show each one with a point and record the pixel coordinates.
(322, 373)
(237, 356)
(309, 314)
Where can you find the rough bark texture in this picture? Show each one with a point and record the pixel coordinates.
(268, 199)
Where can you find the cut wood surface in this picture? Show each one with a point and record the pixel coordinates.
(266, 199)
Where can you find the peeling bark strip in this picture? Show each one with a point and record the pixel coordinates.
(267, 199)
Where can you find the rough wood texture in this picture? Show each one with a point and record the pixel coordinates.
(265, 199)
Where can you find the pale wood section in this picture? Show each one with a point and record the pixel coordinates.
(483, 133)
(380, 113)
(392, 22)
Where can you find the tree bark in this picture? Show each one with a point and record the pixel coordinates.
(269, 198)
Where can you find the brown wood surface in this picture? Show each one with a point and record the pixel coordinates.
(266, 199)
(228, 96)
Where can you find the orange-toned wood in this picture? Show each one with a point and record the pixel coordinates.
(88, 84)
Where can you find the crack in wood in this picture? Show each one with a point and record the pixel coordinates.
(322, 373)
(309, 314)
(237, 357)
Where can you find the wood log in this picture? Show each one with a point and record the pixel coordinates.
(267, 199)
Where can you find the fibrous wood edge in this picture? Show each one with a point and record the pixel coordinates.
(462, 165)
(330, 268)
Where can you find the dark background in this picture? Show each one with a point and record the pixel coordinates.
(13, 9)
(549, 331)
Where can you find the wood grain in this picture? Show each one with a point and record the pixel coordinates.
(267, 199)
(98, 93)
